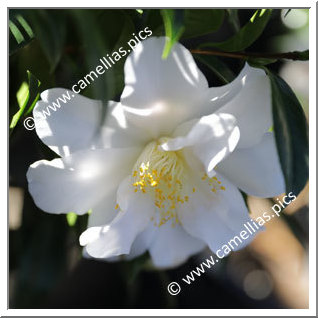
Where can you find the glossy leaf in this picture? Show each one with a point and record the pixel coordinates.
(27, 98)
(22, 94)
(174, 27)
(247, 35)
(291, 134)
(220, 69)
(259, 61)
(202, 21)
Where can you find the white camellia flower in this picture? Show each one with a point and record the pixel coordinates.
(163, 172)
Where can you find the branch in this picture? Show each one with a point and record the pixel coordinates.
(296, 55)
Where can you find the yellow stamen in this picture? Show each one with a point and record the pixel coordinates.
(161, 175)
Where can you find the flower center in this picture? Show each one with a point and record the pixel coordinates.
(162, 175)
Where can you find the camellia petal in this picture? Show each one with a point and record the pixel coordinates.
(252, 107)
(119, 131)
(170, 97)
(211, 139)
(77, 182)
(220, 96)
(139, 247)
(104, 212)
(175, 76)
(256, 170)
(162, 101)
(59, 129)
(135, 210)
(210, 216)
(142, 242)
(172, 246)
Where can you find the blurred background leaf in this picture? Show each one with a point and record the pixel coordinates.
(233, 18)
(91, 36)
(248, 34)
(20, 33)
(49, 28)
(201, 21)
(291, 134)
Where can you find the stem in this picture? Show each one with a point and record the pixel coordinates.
(247, 55)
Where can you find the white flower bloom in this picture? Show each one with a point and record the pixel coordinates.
(164, 170)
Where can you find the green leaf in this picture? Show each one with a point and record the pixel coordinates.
(124, 33)
(16, 32)
(233, 19)
(219, 68)
(27, 96)
(302, 55)
(153, 20)
(202, 21)
(25, 25)
(71, 218)
(49, 28)
(22, 94)
(291, 134)
(259, 61)
(20, 34)
(95, 46)
(247, 35)
(174, 27)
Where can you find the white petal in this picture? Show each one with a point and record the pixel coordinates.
(255, 170)
(161, 94)
(252, 107)
(215, 218)
(80, 181)
(77, 125)
(107, 259)
(217, 97)
(142, 242)
(104, 211)
(72, 126)
(117, 238)
(172, 246)
(165, 90)
(119, 131)
(139, 247)
(211, 139)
